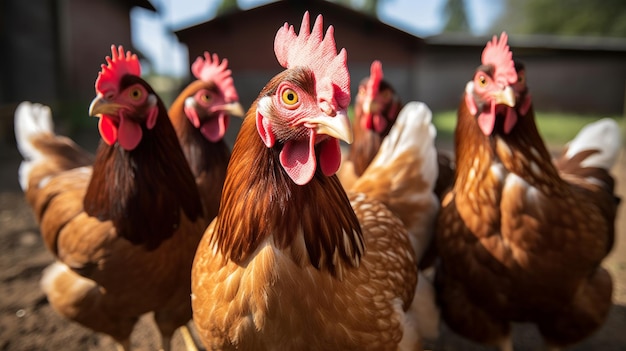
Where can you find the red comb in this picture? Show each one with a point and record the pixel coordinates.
(318, 53)
(376, 75)
(498, 54)
(118, 65)
(210, 69)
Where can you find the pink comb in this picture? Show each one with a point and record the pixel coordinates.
(118, 65)
(208, 69)
(376, 75)
(318, 53)
(498, 54)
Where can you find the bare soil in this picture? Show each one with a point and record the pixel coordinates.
(27, 322)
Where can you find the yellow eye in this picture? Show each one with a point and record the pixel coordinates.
(482, 81)
(135, 94)
(520, 78)
(290, 97)
(205, 98)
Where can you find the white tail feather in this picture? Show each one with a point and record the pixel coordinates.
(603, 135)
(58, 279)
(30, 120)
(406, 164)
(414, 132)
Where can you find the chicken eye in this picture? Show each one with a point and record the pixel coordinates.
(205, 98)
(290, 97)
(135, 94)
(482, 81)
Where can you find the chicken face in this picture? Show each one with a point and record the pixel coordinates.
(212, 98)
(303, 125)
(124, 101)
(208, 110)
(490, 92)
(486, 97)
(123, 113)
(377, 104)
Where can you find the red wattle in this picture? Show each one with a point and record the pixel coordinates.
(108, 130)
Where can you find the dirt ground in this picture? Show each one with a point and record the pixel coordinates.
(27, 321)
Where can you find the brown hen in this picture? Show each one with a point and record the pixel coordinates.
(376, 109)
(520, 238)
(123, 230)
(200, 115)
(292, 262)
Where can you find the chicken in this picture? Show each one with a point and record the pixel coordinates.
(292, 262)
(376, 108)
(125, 229)
(520, 238)
(200, 115)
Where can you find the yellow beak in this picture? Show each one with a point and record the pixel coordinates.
(337, 126)
(505, 97)
(100, 106)
(234, 109)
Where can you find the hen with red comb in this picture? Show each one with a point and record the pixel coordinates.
(292, 262)
(124, 226)
(201, 114)
(376, 108)
(521, 237)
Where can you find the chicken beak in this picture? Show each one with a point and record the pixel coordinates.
(505, 97)
(234, 109)
(367, 106)
(100, 106)
(337, 126)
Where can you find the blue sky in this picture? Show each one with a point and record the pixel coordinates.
(152, 33)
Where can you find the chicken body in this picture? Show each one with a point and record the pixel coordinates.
(376, 109)
(273, 302)
(520, 239)
(124, 231)
(292, 262)
(200, 115)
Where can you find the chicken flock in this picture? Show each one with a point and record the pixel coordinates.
(286, 245)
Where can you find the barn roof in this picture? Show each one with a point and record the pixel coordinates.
(298, 7)
(536, 41)
(269, 17)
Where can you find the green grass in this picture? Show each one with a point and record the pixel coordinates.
(555, 128)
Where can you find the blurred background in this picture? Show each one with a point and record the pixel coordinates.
(51, 51)
(575, 51)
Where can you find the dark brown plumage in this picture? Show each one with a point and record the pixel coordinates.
(200, 115)
(124, 231)
(376, 109)
(520, 239)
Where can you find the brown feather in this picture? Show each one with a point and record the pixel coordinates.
(519, 240)
(367, 142)
(102, 280)
(254, 166)
(127, 186)
(283, 263)
(207, 160)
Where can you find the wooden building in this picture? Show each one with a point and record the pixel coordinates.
(246, 38)
(52, 51)
(578, 75)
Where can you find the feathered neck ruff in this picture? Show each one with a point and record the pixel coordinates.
(260, 201)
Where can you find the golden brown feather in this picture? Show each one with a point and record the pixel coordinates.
(123, 231)
(520, 239)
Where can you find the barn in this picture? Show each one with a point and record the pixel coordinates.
(578, 75)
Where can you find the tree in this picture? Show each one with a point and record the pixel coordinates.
(573, 17)
(369, 7)
(227, 6)
(456, 17)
